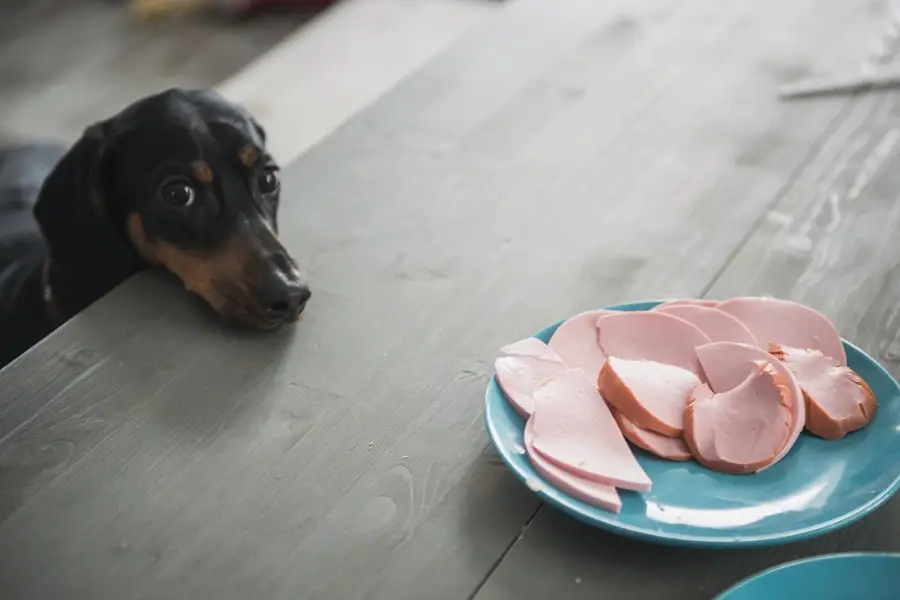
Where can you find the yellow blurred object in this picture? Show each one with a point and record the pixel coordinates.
(162, 9)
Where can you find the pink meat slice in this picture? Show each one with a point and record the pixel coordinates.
(741, 430)
(663, 446)
(655, 336)
(837, 400)
(718, 325)
(595, 494)
(686, 302)
(727, 364)
(651, 394)
(574, 429)
(575, 342)
(787, 323)
(521, 367)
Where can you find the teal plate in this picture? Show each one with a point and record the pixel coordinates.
(858, 576)
(818, 487)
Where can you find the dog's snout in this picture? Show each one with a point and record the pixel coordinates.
(284, 298)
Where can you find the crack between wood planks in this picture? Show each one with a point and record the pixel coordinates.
(506, 551)
(817, 145)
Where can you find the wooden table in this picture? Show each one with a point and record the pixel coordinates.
(564, 156)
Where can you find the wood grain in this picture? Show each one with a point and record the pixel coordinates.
(565, 155)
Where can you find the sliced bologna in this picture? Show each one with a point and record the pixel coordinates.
(521, 367)
(652, 395)
(575, 341)
(654, 336)
(787, 323)
(838, 401)
(686, 302)
(727, 364)
(663, 446)
(595, 494)
(743, 429)
(574, 429)
(718, 325)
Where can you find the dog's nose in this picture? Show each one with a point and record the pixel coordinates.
(285, 299)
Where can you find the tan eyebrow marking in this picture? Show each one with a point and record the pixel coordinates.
(202, 171)
(249, 154)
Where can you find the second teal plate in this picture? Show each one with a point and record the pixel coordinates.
(857, 576)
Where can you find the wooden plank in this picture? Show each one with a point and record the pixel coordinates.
(827, 242)
(345, 459)
(340, 63)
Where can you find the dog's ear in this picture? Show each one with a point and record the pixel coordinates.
(82, 225)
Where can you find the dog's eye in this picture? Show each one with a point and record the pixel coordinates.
(268, 181)
(178, 193)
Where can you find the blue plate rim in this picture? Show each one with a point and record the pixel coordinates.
(837, 556)
(674, 539)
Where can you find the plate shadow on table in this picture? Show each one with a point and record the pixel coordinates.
(586, 553)
(496, 507)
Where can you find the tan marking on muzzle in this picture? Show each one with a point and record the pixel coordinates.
(205, 273)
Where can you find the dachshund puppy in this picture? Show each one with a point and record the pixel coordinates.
(182, 180)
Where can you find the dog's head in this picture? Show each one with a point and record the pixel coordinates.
(183, 180)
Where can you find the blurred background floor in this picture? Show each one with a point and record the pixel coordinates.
(66, 63)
